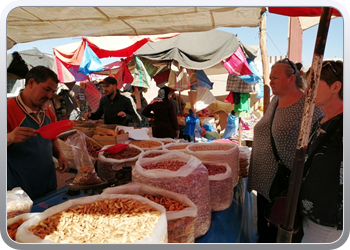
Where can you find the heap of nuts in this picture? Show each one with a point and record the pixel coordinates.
(195, 185)
(145, 144)
(215, 169)
(180, 230)
(86, 176)
(120, 220)
(218, 152)
(105, 168)
(126, 153)
(92, 149)
(152, 154)
(167, 203)
(172, 165)
(12, 229)
(177, 146)
(221, 189)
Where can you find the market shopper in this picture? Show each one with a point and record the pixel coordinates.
(114, 107)
(129, 89)
(163, 112)
(182, 103)
(282, 123)
(29, 155)
(171, 98)
(321, 193)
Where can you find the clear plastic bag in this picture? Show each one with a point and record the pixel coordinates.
(86, 171)
(18, 202)
(191, 179)
(220, 183)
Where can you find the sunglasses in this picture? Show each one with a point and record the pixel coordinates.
(332, 68)
(290, 63)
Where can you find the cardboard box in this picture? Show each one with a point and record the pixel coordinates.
(149, 133)
(111, 140)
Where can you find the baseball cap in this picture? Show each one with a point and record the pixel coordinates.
(109, 80)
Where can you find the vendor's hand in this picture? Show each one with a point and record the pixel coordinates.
(20, 134)
(87, 116)
(122, 114)
(62, 164)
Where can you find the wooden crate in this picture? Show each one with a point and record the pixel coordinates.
(111, 140)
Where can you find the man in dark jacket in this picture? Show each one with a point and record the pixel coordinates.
(116, 108)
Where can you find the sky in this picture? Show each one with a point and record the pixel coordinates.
(276, 39)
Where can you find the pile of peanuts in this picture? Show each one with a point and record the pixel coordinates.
(172, 165)
(167, 203)
(177, 147)
(195, 186)
(92, 149)
(12, 229)
(209, 147)
(126, 153)
(147, 144)
(228, 153)
(152, 155)
(86, 176)
(221, 190)
(214, 169)
(180, 230)
(120, 220)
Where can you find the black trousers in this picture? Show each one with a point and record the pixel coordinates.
(268, 232)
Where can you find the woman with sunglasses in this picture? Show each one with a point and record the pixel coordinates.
(281, 124)
(321, 193)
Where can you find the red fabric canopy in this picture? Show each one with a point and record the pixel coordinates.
(301, 11)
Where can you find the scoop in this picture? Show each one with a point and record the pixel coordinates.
(52, 130)
(114, 149)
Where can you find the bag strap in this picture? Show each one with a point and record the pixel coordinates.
(278, 159)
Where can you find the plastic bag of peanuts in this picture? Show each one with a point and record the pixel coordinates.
(181, 212)
(105, 218)
(180, 173)
(219, 152)
(220, 184)
(86, 170)
(108, 163)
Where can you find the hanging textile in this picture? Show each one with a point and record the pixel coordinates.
(236, 84)
(229, 98)
(253, 78)
(90, 62)
(93, 96)
(203, 99)
(244, 104)
(237, 63)
(141, 77)
(123, 75)
(162, 78)
(203, 80)
(183, 80)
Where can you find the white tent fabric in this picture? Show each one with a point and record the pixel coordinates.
(308, 22)
(26, 24)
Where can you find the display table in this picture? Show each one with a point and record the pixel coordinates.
(232, 225)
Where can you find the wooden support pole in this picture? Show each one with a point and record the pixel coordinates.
(265, 62)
